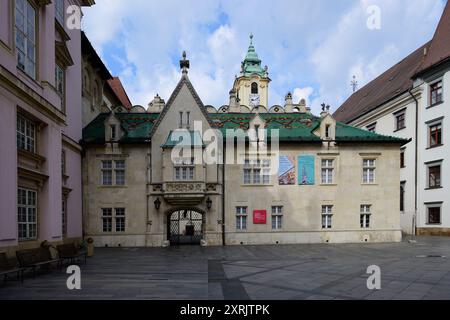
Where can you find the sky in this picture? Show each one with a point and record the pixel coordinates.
(312, 48)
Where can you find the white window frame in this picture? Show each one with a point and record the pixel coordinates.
(434, 123)
(431, 165)
(184, 169)
(107, 220)
(120, 171)
(120, 220)
(365, 216)
(369, 171)
(256, 172)
(327, 217)
(430, 100)
(59, 12)
(27, 207)
(26, 134)
(277, 217)
(107, 170)
(434, 206)
(327, 172)
(28, 15)
(241, 218)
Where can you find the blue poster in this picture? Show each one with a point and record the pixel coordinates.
(306, 170)
(286, 172)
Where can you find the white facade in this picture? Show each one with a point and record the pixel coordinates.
(385, 121)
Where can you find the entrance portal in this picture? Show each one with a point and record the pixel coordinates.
(185, 227)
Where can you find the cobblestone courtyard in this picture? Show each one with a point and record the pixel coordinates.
(409, 271)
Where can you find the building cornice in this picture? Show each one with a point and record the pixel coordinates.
(17, 87)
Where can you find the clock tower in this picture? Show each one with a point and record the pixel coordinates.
(252, 85)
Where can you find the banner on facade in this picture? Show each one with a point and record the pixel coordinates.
(286, 172)
(306, 170)
(259, 217)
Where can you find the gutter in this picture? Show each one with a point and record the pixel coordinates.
(416, 173)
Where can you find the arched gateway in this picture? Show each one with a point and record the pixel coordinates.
(185, 227)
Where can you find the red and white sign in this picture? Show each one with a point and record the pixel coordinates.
(260, 217)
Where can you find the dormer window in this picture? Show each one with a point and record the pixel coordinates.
(327, 131)
(254, 88)
(113, 132)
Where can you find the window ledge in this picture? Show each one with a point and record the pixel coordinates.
(328, 184)
(433, 224)
(435, 104)
(434, 188)
(113, 187)
(257, 185)
(369, 184)
(399, 129)
(31, 155)
(436, 146)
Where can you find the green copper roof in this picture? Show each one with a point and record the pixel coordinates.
(252, 63)
(293, 127)
(183, 138)
(136, 127)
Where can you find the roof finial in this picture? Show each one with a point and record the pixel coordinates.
(251, 39)
(184, 64)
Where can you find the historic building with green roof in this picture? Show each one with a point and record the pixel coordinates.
(245, 173)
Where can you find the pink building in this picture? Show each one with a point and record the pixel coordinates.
(40, 122)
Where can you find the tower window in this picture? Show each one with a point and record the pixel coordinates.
(254, 88)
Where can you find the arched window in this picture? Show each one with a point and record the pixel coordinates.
(254, 88)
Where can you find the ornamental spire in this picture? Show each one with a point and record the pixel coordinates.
(184, 64)
(252, 63)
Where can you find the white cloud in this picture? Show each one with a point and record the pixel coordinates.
(311, 48)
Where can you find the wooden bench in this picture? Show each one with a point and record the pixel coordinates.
(70, 252)
(36, 258)
(6, 268)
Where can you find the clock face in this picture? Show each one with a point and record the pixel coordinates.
(255, 100)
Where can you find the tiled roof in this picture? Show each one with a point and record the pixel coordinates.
(136, 127)
(389, 85)
(293, 127)
(116, 86)
(440, 45)
(179, 138)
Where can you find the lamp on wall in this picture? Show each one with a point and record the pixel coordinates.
(157, 204)
(209, 203)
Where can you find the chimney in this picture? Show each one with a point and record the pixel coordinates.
(288, 104)
(234, 106)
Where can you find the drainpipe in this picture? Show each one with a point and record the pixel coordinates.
(223, 195)
(416, 174)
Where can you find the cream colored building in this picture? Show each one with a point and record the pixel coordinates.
(319, 181)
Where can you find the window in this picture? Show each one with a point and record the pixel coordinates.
(113, 128)
(434, 176)
(257, 171)
(277, 218)
(63, 162)
(120, 172)
(402, 158)
(400, 121)
(188, 121)
(365, 216)
(120, 219)
(434, 214)
(107, 173)
(184, 169)
(181, 119)
(64, 216)
(27, 214)
(368, 171)
(25, 27)
(372, 127)
(59, 11)
(327, 217)
(60, 84)
(435, 133)
(26, 134)
(107, 219)
(254, 88)
(241, 218)
(327, 171)
(327, 131)
(402, 196)
(435, 93)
